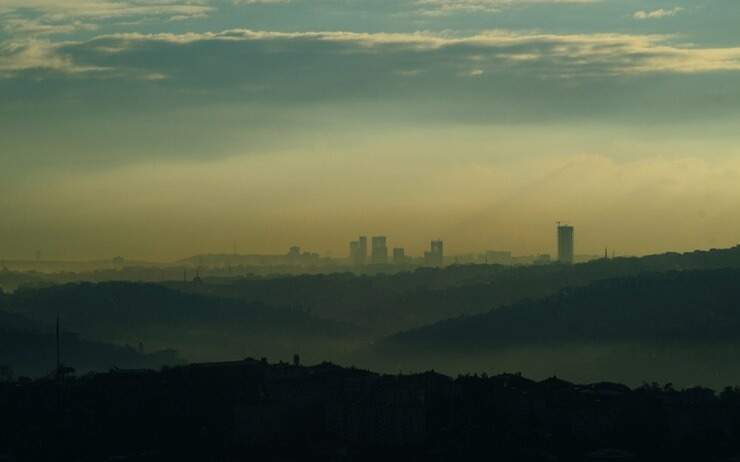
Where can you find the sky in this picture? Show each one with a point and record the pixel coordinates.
(162, 129)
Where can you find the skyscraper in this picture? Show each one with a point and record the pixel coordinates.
(399, 256)
(355, 257)
(565, 244)
(435, 256)
(363, 250)
(380, 250)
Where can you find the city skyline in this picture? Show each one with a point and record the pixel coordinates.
(384, 251)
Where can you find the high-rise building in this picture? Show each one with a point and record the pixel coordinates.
(358, 251)
(363, 250)
(380, 250)
(565, 244)
(435, 256)
(354, 253)
(399, 256)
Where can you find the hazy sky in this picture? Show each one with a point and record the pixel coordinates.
(160, 129)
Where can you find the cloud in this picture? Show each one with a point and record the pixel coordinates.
(107, 8)
(552, 55)
(44, 17)
(657, 14)
(446, 7)
(496, 75)
(38, 55)
(259, 2)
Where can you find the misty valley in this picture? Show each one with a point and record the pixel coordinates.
(664, 318)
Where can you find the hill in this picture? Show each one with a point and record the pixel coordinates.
(200, 327)
(388, 303)
(629, 328)
(29, 348)
(253, 410)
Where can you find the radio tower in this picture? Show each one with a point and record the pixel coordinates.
(59, 355)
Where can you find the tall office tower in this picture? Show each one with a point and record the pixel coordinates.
(399, 256)
(355, 258)
(565, 244)
(363, 250)
(436, 255)
(380, 250)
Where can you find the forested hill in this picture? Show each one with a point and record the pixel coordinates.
(673, 307)
(200, 327)
(124, 305)
(388, 303)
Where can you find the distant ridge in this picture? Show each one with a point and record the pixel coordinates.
(681, 324)
(201, 327)
(28, 348)
(676, 306)
(388, 303)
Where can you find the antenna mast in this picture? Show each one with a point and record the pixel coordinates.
(59, 357)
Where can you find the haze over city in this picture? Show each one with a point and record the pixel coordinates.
(159, 130)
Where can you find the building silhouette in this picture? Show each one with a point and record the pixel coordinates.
(435, 256)
(358, 251)
(399, 256)
(379, 250)
(363, 249)
(355, 258)
(565, 244)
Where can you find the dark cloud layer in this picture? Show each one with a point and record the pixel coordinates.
(307, 67)
(163, 93)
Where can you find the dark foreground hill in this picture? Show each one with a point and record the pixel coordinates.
(200, 327)
(250, 410)
(678, 324)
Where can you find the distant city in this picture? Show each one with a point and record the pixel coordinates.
(365, 254)
(435, 256)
